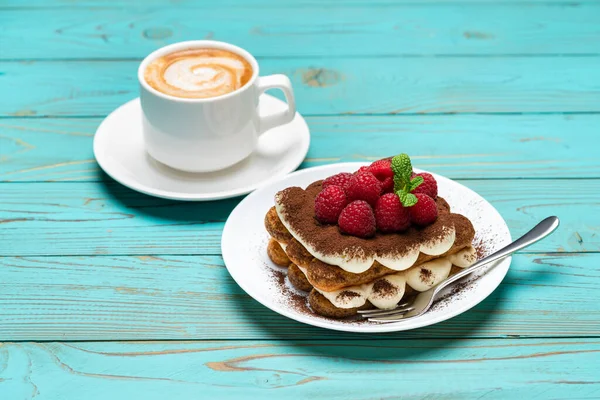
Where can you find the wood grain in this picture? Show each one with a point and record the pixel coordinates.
(333, 86)
(193, 297)
(309, 30)
(458, 146)
(87, 259)
(92, 218)
(95, 4)
(559, 369)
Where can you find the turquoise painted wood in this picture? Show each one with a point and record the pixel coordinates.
(388, 85)
(338, 30)
(90, 218)
(193, 297)
(465, 369)
(95, 4)
(502, 95)
(499, 146)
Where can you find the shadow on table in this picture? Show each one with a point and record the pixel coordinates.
(188, 212)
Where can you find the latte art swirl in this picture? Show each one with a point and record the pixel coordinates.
(198, 73)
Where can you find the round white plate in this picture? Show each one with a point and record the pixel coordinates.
(120, 152)
(244, 247)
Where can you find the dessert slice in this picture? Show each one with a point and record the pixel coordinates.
(384, 246)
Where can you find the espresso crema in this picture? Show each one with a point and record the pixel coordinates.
(198, 73)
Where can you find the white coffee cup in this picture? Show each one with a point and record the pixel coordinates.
(208, 134)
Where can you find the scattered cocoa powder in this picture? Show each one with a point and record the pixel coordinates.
(296, 300)
(483, 249)
(279, 277)
(454, 294)
(459, 287)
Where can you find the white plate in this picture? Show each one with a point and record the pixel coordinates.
(245, 240)
(120, 152)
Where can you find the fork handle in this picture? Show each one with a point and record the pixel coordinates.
(538, 232)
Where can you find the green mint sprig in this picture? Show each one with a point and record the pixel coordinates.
(403, 184)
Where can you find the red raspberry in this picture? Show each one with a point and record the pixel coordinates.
(428, 187)
(424, 212)
(382, 169)
(364, 186)
(329, 204)
(362, 169)
(342, 179)
(391, 215)
(388, 185)
(357, 219)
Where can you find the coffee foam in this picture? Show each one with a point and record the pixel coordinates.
(198, 73)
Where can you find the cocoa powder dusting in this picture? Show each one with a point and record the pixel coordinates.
(296, 300)
(299, 301)
(384, 288)
(298, 210)
(425, 275)
(483, 249)
(347, 295)
(456, 291)
(327, 239)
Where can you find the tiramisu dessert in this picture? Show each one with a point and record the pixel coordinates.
(367, 239)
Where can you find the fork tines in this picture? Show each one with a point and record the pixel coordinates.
(398, 311)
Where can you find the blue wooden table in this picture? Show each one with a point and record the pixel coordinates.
(107, 293)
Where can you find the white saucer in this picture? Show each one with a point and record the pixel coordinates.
(244, 248)
(119, 150)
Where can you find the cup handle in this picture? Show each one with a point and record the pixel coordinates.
(282, 83)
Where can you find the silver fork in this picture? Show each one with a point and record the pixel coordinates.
(423, 301)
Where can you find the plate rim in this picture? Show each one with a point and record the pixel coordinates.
(227, 194)
(503, 265)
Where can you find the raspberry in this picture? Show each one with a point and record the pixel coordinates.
(424, 212)
(428, 187)
(342, 179)
(391, 215)
(362, 169)
(357, 219)
(388, 185)
(364, 186)
(329, 204)
(382, 169)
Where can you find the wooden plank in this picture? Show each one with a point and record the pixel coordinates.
(457, 369)
(333, 86)
(193, 297)
(89, 218)
(499, 146)
(309, 30)
(289, 4)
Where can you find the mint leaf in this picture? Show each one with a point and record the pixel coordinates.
(414, 183)
(407, 167)
(397, 165)
(402, 168)
(398, 183)
(407, 199)
(404, 184)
